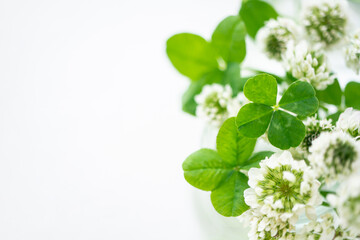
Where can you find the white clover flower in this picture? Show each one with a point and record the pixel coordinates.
(352, 52)
(325, 21)
(324, 228)
(349, 121)
(313, 127)
(282, 189)
(264, 227)
(308, 64)
(334, 155)
(347, 203)
(275, 35)
(216, 104)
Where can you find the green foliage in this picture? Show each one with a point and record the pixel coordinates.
(253, 119)
(233, 78)
(219, 171)
(284, 129)
(205, 169)
(191, 55)
(300, 99)
(255, 13)
(331, 95)
(231, 146)
(261, 89)
(228, 199)
(199, 59)
(229, 39)
(352, 95)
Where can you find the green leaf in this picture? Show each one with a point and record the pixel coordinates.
(254, 14)
(204, 169)
(232, 77)
(191, 55)
(261, 89)
(255, 159)
(188, 99)
(332, 94)
(253, 119)
(352, 95)
(278, 78)
(228, 199)
(232, 147)
(229, 39)
(285, 130)
(300, 98)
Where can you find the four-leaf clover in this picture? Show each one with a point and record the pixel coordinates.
(219, 171)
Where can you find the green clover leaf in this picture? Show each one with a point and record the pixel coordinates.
(191, 55)
(232, 147)
(205, 169)
(300, 99)
(284, 129)
(331, 95)
(206, 62)
(219, 171)
(228, 199)
(258, 93)
(229, 39)
(352, 95)
(255, 13)
(254, 119)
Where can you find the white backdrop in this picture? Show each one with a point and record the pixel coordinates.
(91, 134)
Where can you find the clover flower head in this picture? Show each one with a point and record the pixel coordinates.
(334, 155)
(282, 189)
(352, 52)
(264, 227)
(314, 127)
(216, 104)
(308, 64)
(347, 203)
(325, 20)
(275, 35)
(349, 121)
(323, 229)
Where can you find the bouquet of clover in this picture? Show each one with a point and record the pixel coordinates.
(313, 123)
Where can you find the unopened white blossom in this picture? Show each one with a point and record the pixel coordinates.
(314, 127)
(347, 203)
(275, 35)
(352, 52)
(349, 121)
(334, 156)
(308, 64)
(325, 21)
(216, 104)
(325, 228)
(280, 190)
(265, 227)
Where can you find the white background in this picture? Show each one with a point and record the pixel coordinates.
(91, 134)
(92, 137)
